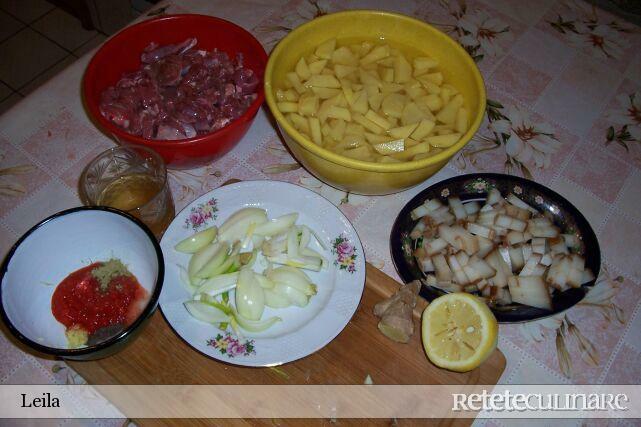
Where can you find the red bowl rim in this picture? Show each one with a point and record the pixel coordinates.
(122, 135)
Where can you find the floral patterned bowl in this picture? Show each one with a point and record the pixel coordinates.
(475, 187)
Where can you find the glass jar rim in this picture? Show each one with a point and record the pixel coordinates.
(131, 148)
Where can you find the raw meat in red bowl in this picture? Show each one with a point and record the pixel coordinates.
(121, 56)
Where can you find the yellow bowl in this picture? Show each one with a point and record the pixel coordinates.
(357, 176)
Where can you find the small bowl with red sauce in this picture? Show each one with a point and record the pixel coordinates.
(82, 283)
(155, 66)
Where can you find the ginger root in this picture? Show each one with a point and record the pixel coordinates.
(396, 313)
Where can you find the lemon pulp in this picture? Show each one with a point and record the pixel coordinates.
(459, 332)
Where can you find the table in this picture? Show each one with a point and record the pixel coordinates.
(563, 80)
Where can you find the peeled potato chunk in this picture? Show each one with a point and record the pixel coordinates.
(371, 101)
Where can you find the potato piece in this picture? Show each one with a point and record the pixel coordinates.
(299, 122)
(375, 101)
(422, 65)
(338, 129)
(415, 92)
(461, 120)
(315, 130)
(371, 89)
(380, 121)
(403, 131)
(388, 88)
(324, 108)
(387, 74)
(446, 95)
(325, 92)
(436, 78)
(302, 69)
(344, 56)
(410, 152)
(325, 129)
(373, 138)
(402, 70)
(294, 80)
(308, 105)
(287, 107)
(367, 124)
(360, 104)
(432, 88)
(409, 142)
(443, 141)
(433, 102)
(423, 129)
(323, 80)
(354, 129)
(361, 153)
(352, 141)
(348, 93)
(390, 147)
(291, 95)
(343, 70)
(452, 89)
(342, 113)
(393, 104)
(317, 67)
(411, 114)
(365, 48)
(449, 113)
(379, 52)
(325, 50)
(387, 62)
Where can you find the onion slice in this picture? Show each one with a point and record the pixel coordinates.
(250, 299)
(196, 242)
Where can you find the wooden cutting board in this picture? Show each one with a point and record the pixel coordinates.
(159, 356)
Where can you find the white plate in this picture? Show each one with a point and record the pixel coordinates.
(302, 331)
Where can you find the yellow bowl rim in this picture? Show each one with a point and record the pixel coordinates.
(359, 164)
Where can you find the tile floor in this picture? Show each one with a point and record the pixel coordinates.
(37, 41)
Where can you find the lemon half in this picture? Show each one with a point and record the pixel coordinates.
(459, 331)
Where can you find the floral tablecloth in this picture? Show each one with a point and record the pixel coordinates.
(564, 108)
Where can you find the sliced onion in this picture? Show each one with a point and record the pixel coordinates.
(292, 243)
(275, 245)
(263, 281)
(293, 277)
(276, 300)
(219, 284)
(254, 325)
(205, 312)
(230, 265)
(303, 261)
(312, 253)
(277, 225)
(295, 296)
(236, 226)
(217, 259)
(197, 241)
(207, 299)
(305, 237)
(250, 299)
(201, 258)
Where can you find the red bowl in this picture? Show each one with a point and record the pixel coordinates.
(121, 54)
